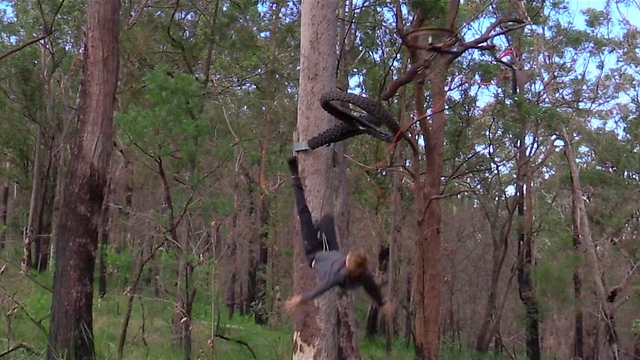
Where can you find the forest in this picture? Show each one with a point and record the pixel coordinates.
(146, 208)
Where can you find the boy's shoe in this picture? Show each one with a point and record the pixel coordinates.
(293, 165)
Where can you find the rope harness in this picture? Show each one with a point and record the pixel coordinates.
(323, 237)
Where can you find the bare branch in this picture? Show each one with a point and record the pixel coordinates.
(399, 24)
(18, 346)
(614, 291)
(136, 14)
(20, 47)
(406, 78)
(487, 35)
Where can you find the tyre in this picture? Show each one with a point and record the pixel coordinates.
(339, 132)
(374, 113)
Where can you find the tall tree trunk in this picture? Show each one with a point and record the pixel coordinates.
(45, 216)
(42, 240)
(492, 313)
(260, 286)
(27, 259)
(591, 257)
(125, 212)
(59, 192)
(247, 253)
(427, 274)
(394, 236)
(230, 291)
(525, 260)
(315, 329)
(260, 312)
(105, 219)
(71, 328)
(526, 264)
(4, 213)
(181, 321)
(578, 337)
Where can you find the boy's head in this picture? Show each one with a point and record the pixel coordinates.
(356, 262)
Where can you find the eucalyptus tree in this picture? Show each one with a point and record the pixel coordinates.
(317, 327)
(71, 329)
(569, 86)
(432, 52)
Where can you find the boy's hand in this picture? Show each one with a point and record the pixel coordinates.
(293, 303)
(388, 309)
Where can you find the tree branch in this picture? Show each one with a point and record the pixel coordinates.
(134, 18)
(399, 24)
(614, 291)
(241, 342)
(20, 47)
(487, 33)
(18, 346)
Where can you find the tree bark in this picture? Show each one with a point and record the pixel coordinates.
(71, 329)
(4, 214)
(60, 184)
(492, 313)
(525, 261)
(105, 219)
(230, 286)
(259, 262)
(27, 259)
(394, 236)
(578, 338)
(260, 304)
(315, 325)
(427, 280)
(45, 216)
(44, 229)
(588, 245)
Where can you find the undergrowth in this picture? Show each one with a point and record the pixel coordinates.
(26, 303)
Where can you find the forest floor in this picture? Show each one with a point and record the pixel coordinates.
(25, 302)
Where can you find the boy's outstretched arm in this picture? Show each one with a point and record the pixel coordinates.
(298, 300)
(293, 303)
(373, 290)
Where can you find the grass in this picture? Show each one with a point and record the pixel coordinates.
(27, 305)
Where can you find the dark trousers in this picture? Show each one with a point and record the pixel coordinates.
(316, 236)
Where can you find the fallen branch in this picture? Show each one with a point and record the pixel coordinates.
(239, 342)
(19, 346)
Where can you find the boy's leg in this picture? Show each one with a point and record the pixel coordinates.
(328, 228)
(310, 241)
